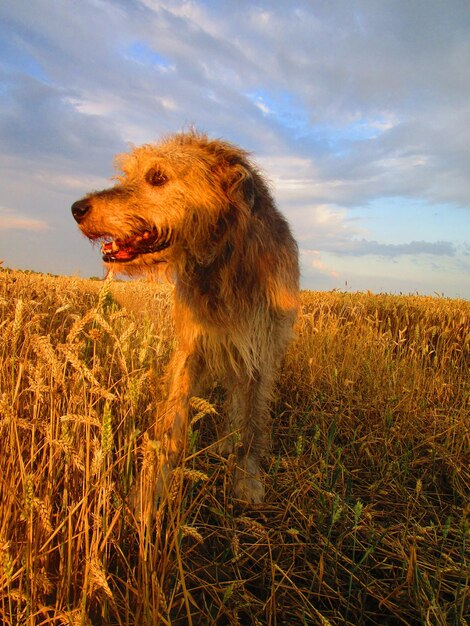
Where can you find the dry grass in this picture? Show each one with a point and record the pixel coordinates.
(366, 519)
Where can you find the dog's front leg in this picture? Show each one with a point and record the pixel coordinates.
(171, 427)
(185, 373)
(249, 421)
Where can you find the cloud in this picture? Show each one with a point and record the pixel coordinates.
(10, 220)
(40, 121)
(341, 103)
(314, 261)
(363, 247)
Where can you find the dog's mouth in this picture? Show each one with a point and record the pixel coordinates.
(146, 242)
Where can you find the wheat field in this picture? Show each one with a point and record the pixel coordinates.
(366, 519)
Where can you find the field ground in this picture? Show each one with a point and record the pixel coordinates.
(366, 519)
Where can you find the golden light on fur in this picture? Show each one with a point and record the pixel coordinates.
(200, 211)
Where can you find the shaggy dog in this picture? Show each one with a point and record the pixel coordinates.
(201, 207)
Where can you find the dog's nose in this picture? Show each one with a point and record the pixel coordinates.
(80, 209)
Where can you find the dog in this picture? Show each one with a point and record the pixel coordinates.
(201, 209)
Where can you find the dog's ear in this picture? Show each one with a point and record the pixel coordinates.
(240, 186)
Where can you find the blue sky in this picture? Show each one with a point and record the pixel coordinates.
(357, 111)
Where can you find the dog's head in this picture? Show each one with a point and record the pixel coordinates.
(177, 199)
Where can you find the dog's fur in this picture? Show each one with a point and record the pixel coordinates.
(214, 225)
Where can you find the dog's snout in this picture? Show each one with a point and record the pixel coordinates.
(80, 209)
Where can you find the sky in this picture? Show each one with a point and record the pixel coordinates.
(358, 113)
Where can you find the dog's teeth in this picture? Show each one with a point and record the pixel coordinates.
(114, 246)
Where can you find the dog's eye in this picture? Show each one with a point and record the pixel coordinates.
(156, 177)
